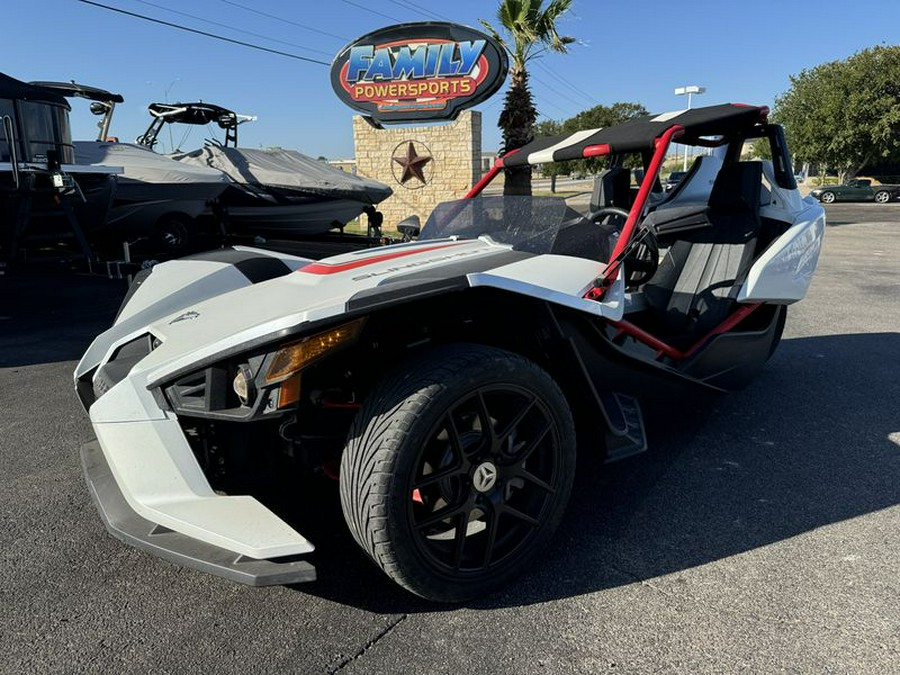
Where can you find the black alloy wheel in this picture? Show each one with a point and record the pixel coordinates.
(458, 469)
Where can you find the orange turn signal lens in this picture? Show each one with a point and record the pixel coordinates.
(292, 358)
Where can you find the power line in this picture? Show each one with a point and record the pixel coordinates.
(566, 82)
(237, 30)
(283, 20)
(418, 8)
(555, 90)
(372, 11)
(201, 32)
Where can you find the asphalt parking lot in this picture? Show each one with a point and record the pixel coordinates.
(760, 533)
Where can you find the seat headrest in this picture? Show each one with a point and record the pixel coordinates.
(612, 187)
(736, 189)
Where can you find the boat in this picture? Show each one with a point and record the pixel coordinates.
(275, 192)
(157, 198)
(45, 194)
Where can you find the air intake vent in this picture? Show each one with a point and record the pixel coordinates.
(123, 360)
(199, 392)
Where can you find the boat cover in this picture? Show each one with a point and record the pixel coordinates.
(15, 89)
(142, 164)
(287, 169)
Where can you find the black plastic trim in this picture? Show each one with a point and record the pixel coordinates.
(404, 291)
(126, 525)
(254, 266)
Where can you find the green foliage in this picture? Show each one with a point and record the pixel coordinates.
(845, 114)
(530, 30)
(593, 118)
(597, 117)
(762, 149)
(531, 27)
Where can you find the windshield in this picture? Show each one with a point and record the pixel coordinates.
(533, 224)
(526, 223)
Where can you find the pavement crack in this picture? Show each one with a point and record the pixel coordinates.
(371, 643)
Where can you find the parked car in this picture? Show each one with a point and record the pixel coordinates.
(674, 179)
(858, 190)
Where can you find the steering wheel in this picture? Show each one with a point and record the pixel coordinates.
(619, 216)
(642, 258)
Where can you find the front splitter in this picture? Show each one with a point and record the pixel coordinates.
(126, 525)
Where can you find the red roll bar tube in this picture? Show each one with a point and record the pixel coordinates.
(612, 269)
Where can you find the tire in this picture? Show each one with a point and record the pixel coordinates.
(882, 196)
(498, 431)
(827, 197)
(779, 330)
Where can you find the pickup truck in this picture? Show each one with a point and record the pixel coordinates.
(858, 190)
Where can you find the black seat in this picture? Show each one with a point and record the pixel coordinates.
(695, 287)
(612, 187)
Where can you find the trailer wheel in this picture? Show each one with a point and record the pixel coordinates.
(457, 470)
(175, 232)
(882, 196)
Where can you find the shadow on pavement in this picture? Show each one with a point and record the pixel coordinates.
(806, 445)
(49, 315)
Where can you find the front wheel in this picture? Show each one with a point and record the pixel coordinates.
(827, 197)
(457, 470)
(882, 196)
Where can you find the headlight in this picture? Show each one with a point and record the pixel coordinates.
(292, 358)
(243, 384)
(261, 383)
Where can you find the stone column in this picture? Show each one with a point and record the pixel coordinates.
(425, 165)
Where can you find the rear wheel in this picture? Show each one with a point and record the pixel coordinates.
(779, 330)
(457, 470)
(882, 196)
(827, 197)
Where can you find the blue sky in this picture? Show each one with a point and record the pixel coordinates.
(626, 51)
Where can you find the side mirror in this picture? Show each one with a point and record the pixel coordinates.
(99, 108)
(410, 227)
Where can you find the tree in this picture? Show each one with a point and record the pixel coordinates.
(531, 30)
(551, 169)
(598, 117)
(845, 114)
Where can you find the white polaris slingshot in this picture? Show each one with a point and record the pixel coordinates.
(444, 381)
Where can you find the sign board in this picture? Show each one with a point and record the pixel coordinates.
(418, 71)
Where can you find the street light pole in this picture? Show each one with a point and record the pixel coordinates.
(690, 90)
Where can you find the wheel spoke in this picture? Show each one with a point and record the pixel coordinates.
(515, 513)
(453, 432)
(486, 425)
(524, 474)
(517, 420)
(491, 534)
(458, 468)
(459, 541)
(442, 514)
(533, 444)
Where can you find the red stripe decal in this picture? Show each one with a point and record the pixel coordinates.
(325, 268)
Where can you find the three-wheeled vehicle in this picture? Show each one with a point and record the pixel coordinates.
(445, 382)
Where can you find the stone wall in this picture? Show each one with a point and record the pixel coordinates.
(447, 156)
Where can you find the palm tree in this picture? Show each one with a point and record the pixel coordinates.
(531, 30)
